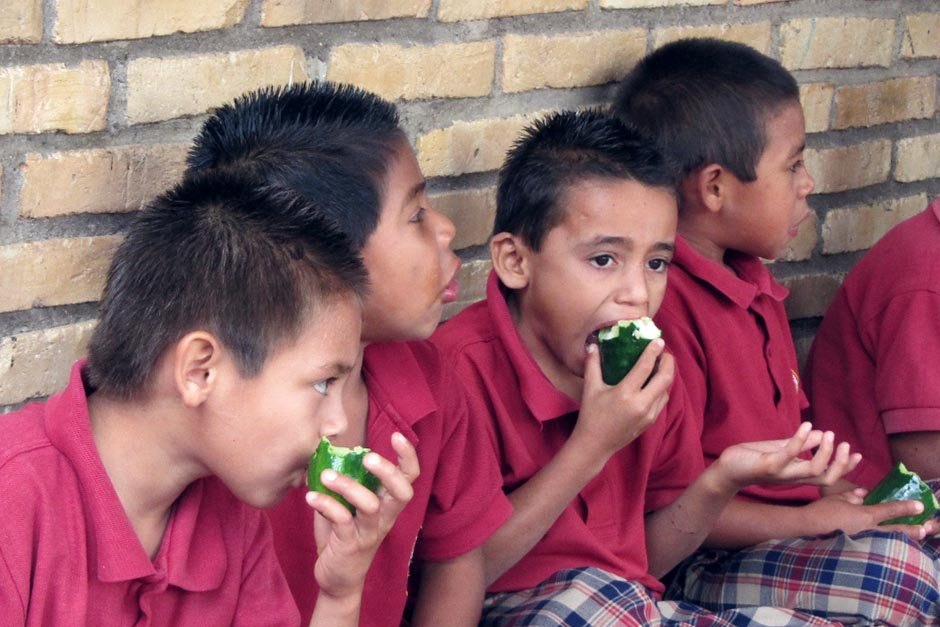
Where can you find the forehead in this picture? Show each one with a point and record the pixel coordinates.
(403, 179)
(618, 207)
(786, 131)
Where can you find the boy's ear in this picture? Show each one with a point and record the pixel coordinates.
(707, 187)
(196, 366)
(510, 260)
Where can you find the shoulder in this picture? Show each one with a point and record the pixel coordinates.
(21, 433)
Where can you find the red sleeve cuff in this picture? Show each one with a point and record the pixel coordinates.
(911, 419)
(457, 540)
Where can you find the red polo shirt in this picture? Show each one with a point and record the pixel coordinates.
(528, 420)
(732, 343)
(457, 501)
(874, 368)
(69, 556)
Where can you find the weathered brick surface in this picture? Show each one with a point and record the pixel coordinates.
(80, 21)
(885, 101)
(802, 246)
(810, 294)
(856, 228)
(834, 42)
(37, 363)
(98, 181)
(756, 35)
(464, 147)
(750, 2)
(849, 167)
(287, 12)
(918, 158)
(648, 4)
(472, 278)
(162, 88)
(455, 10)
(816, 99)
(20, 21)
(54, 272)
(415, 72)
(472, 212)
(577, 60)
(921, 36)
(54, 97)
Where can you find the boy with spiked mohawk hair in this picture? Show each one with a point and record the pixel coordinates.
(342, 148)
(607, 482)
(228, 325)
(732, 119)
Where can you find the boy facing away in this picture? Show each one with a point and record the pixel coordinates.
(873, 373)
(228, 325)
(342, 149)
(732, 119)
(607, 482)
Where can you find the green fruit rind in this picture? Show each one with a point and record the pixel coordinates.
(621, 344)
(345, 461)
(901, 484)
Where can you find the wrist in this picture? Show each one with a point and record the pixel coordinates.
(718, 480)
(582, 458)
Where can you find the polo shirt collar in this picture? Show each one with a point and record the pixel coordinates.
(750, 280)
(544, 400)
(114, 550)
(403, 384)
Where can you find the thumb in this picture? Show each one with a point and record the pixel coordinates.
(592, 368)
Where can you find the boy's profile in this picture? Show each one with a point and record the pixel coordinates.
(731, 117)
(343, 149)
(228, 325)
(607, 482)
(871, 373)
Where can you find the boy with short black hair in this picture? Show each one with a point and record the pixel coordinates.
(343, 149)
(732, 119)
(607, 482)
(229, 322)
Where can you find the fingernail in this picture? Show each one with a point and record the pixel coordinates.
(329, 476)
(371, 460)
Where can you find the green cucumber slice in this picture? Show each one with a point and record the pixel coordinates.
(346, 461)
(901, 484)
(621, 344)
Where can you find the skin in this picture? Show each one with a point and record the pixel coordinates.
(721, 212)
(607, 260)
(918, 451)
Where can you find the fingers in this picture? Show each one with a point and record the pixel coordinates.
(592, 368)
(407, 457)
(396, 485)
(896, 509)
(644, 367)
(914, 532)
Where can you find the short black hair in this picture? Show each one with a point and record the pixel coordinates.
(331, 143)
(564, 149)
(707, 101)
(217, 253)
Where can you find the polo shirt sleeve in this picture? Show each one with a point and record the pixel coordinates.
(907, 362)
(264, 598)
(690, 361)
(467, 503)
(12, 605)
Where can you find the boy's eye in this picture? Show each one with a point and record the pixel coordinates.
(658, 264)
(323, 386)
(602, 261)
(418, 215)
(796, 166)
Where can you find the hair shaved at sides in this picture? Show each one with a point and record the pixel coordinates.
(219, 254)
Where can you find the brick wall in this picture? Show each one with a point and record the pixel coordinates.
(102, 98)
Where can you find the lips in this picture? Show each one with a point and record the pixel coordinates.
(450, 291)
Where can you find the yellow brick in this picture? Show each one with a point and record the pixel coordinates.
(921, 36)
(472, 211)
(20, 21)
(171, 87)
(472, 278)
(756, 35)
(857, 228)
(37, 363)
(537, 61)
(816, 99)
(836, 42)
(917, 158)
(416, 72)
(80, 21)
(464, 147)
(849, 167)
(801, 248)
(107, 180)
(53, 97)
(886, 101)
(54, 272)
(810, 294)
(286, 12)
(649, 4)
(456, 10)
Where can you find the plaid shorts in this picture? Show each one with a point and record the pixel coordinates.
(871, 578)
(591, 597)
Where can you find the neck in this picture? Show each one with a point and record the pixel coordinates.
(551, 366)
(705, 245)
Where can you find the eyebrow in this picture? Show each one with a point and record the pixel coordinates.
(415, 191)
(800, 149)
(624, 242)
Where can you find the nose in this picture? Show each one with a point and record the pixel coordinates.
(444, 227)
(336, 420)
(632, 290)
(807, 184)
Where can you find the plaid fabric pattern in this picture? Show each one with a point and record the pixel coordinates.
(591, 597)
(871, 578)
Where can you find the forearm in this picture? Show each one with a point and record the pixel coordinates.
(537, 504)
(451, 592)
(674, 532)
(333, 611)
(918, 451)
(745, 523)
